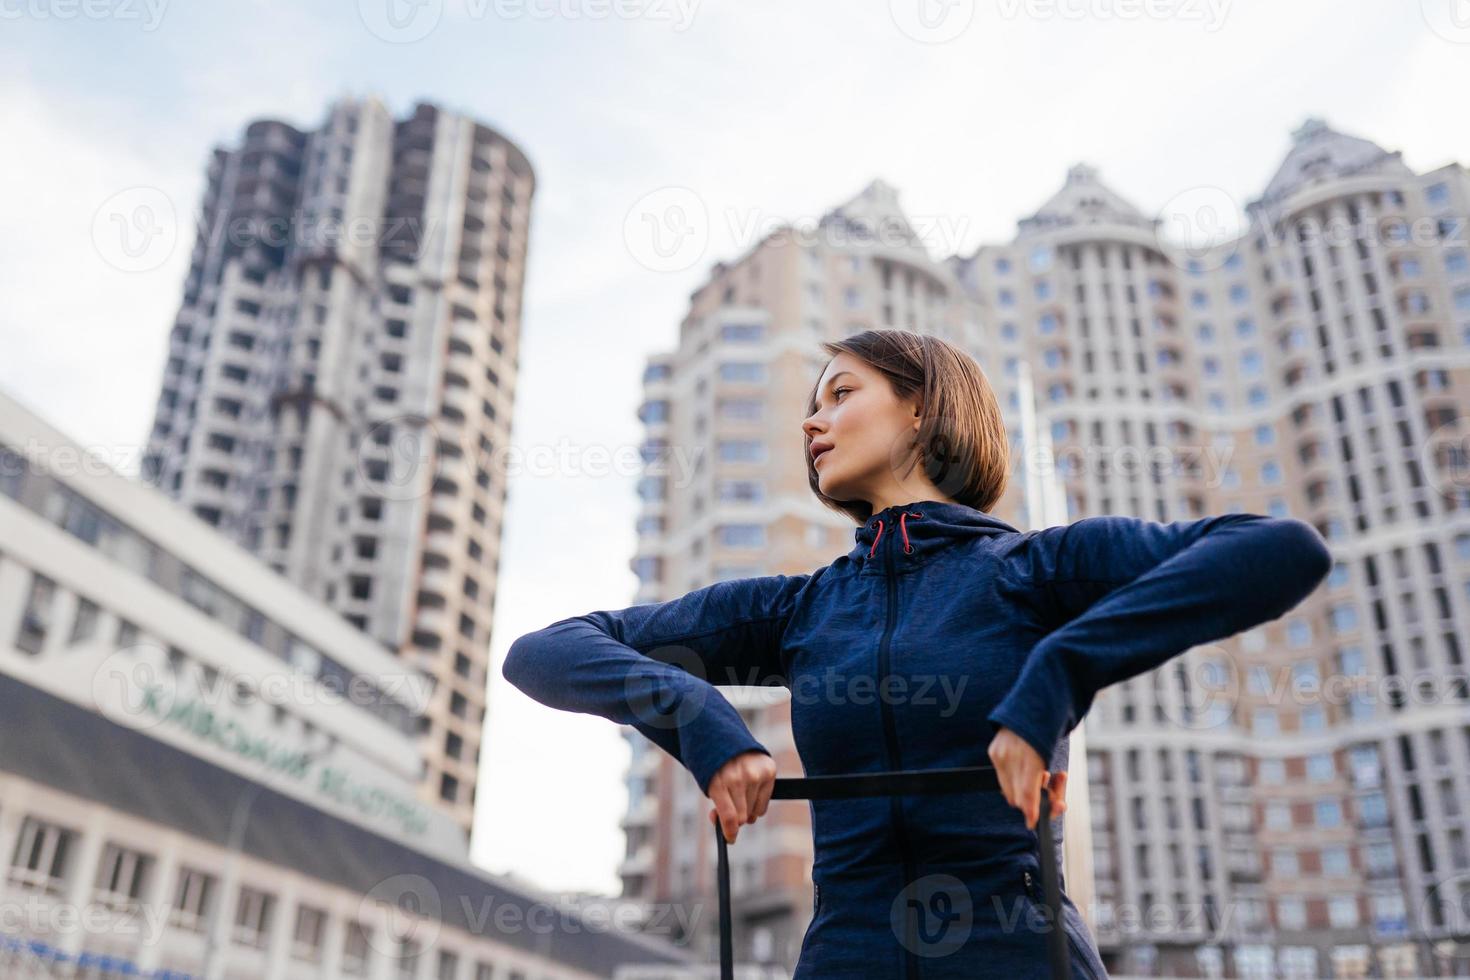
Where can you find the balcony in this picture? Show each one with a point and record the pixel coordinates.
(643, 815)
(640, 862)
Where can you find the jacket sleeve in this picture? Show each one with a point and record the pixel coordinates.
(1127, 594)
(655, 666)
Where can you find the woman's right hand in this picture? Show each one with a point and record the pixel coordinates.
(741, 791)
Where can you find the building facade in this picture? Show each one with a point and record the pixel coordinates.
(206, 773)
(1288, 802)
(340, 379)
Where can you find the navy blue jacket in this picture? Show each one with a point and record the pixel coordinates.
(941, 624)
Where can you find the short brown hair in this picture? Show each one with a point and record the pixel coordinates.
(963, 438)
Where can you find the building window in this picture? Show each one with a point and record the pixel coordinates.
(743, 371)
(1298, 633)
(193, 899)
(1342, 911)
(84, 625)
(253, 913)
(1344, 617)
(741, 491)
(654, 412)
(40, 858)
(356, 950)
(1373, 810)
(35, 621)
(739, 409)
(408, 958)
(1380, 858)
(1291, 913)
(307, 939)
(1335, 861)
(742, 535)
(121, 875)
(1278, 815)
(742, 451)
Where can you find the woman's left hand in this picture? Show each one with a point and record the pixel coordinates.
(1022, 773)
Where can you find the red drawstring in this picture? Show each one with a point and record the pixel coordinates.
(908, 548)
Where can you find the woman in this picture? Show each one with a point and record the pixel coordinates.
(944, 638)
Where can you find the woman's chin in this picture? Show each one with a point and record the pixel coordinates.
(830, 486)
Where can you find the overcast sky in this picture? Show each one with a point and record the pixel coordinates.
(762, 110)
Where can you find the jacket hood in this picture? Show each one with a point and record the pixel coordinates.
(921, 527)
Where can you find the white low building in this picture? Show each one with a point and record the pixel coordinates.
(204, 772)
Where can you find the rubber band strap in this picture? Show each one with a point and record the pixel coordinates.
(916, 782)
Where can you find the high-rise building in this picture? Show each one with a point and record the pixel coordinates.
(340, 378)
(1290, 801)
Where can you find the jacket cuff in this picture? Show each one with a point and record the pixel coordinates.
(713, 739)
(1039, 707)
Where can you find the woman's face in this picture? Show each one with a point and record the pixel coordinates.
(869, 429)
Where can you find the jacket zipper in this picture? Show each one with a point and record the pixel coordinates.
(890, 739)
